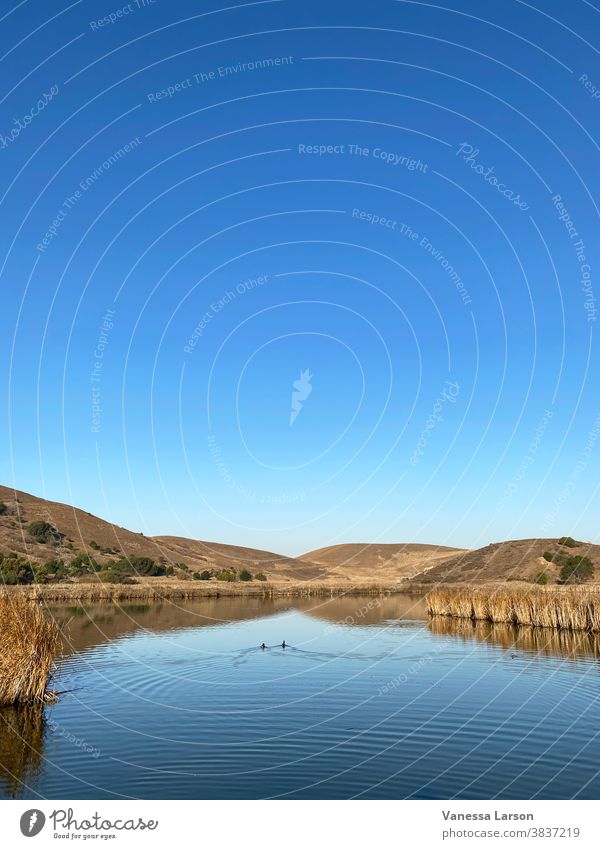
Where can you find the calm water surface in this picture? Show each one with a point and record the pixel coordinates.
(176, 700)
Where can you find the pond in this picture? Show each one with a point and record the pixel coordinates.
(368, 700)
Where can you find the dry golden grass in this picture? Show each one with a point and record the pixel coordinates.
(158, 589)
(29, 641)
(571, 609)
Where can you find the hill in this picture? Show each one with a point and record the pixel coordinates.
(380, 562)
(81, 532)
(520, 559)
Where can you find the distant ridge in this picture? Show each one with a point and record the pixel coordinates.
(352, 563)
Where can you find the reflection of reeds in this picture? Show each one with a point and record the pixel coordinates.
(568, 609)
(548, 641)
(29, 641)
(21, 739)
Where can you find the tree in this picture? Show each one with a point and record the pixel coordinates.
(52, 570)
(569, 542)
(577, 570)
(226, 575)
(260, 576)
(205, 575)
(245, 575)
(15, 570)
(82, 564)
(43, 532)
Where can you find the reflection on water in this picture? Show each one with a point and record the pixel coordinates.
(92, 625)
(370, 699)
(540, 641)
(21, 742)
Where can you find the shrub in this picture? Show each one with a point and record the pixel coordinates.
(43, 532)
(3, 508)
(82, 564)
(94, 545)
(115, 576)
(577, 570)
(52, 570)
(15, 570)
(541, 578)
(260, 576)
(226, 575)
(205, 575)
(547, 555)
(569, 542)
(245, 575)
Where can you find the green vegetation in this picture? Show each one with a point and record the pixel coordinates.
(547, 555)
(82, 564)
(94, 545)
(577, 570)
(3, 508)
(260, 576)
(52, 570)
(204, 576)
(43, 532)
(540, 578)
(15, 570)
(226, 575)
(569, 542)
(245, 575)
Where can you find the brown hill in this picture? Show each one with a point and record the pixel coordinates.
(82, 532)
(380, 562)
(520, 559)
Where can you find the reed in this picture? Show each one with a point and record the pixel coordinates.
(29, 641)
(571, 609)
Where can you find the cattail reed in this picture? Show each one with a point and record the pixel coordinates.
(29, 641)
(568, 609)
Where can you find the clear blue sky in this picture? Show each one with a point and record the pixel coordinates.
(391, 205)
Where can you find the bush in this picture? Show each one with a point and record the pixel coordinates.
(115, 576)
(43, 532)
(94, 545)
(541, 578)
(547, 555)
(577, 570)
(226, 575)
(245, 575)
(205, 575)
(82, 564)
(52, 570)
(15, 570)
(569, 542)
(3, 508)
(260, 576)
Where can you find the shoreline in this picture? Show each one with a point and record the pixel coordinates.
(161, 590)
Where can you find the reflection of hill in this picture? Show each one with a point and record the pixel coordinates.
(365, 610)
(21, 740)
(545, 641)
(92, 625)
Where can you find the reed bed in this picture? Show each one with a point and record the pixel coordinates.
(161, 589)
(29, 641)
(570, 609)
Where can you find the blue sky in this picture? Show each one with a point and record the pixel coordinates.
(397, 199)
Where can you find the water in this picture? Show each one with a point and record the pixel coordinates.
(175, 700)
